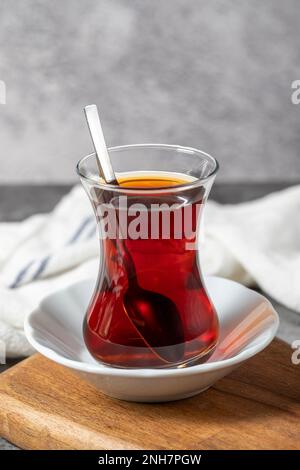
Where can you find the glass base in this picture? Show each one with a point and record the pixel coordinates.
(197, 360)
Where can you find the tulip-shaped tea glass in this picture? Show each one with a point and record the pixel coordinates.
(150, 307)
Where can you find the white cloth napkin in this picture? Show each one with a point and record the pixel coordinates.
(254, 243)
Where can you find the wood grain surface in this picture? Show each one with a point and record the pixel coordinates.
(44, 406)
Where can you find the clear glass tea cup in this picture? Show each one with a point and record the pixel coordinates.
(150, 308)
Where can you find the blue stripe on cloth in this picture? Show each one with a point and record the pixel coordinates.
(80, 229)
(44, 262)
(41, 267)
(20, 275)
(91, 233)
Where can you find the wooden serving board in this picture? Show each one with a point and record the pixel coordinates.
(44, 406)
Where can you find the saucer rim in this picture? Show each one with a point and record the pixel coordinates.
(106, 370)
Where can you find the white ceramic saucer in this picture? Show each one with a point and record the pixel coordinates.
(248, 323)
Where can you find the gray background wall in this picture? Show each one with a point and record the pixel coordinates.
(215, 75)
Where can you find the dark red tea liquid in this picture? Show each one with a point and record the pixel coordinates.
(160, 269)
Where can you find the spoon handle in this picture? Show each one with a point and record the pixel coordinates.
(96, 132)
(126, 257)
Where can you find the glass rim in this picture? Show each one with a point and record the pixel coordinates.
(135, 189)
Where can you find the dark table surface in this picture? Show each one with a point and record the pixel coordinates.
(19, 202)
